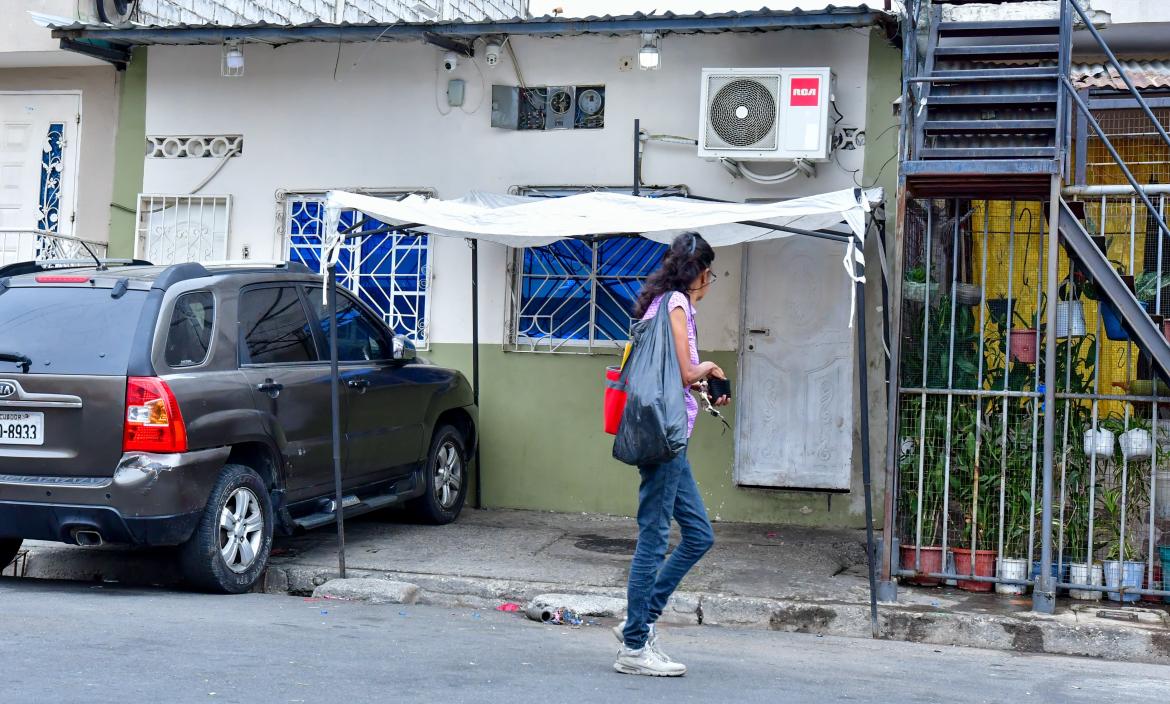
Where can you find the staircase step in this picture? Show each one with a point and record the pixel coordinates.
(1005, 28)
(998, 51)
(993, 100)
(988, 153)
(997, 74)
(990, 126)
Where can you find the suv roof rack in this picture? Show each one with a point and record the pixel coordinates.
(259, 264)
(35, 267)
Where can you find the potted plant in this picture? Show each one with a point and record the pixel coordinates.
(1121, 569)
(915, 289)
(975, 502)
(1016, 512)
(927, 558)
(1024, 340)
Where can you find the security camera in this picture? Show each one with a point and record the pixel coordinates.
(492, 54)
(450, 61)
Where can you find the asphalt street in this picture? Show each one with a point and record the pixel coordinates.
(76, 642)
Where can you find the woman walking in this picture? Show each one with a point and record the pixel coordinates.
(668, 490)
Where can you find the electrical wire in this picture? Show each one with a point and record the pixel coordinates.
(438, 106)
(215, 172)
(482, 89)
(515, 62)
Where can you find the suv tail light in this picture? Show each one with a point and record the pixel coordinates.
(153, 420)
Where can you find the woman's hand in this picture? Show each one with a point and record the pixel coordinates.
(718, 373)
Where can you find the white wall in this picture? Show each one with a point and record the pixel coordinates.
(378, 125)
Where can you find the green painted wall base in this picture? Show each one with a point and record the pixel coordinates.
(543, 447)
(129, 146)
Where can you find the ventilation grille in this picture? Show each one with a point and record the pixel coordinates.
(194, 146)
(741, 112)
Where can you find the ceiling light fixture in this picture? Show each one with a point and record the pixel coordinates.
(648, 55)
(233, 60)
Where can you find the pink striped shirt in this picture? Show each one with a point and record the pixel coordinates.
(680, 300)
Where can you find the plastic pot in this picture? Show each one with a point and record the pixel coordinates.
(1136, 444)
(1012, 568)
(1124, 574)
(1111, 320)
(1164, 553)
(984, 567)
(1070, 318)
(1022, 345)
(931, 562)
(968, 294)
(1162, 497)
(1080, 573)
(916, 291)
(1099, 442)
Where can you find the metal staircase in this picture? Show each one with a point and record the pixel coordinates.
(985, 105)
(986, 108)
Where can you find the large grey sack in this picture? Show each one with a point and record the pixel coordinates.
(653, 428)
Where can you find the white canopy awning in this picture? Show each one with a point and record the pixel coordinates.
(522, 221)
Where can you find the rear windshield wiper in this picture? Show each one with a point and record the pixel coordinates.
(20, 359)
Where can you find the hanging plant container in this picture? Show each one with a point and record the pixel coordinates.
(1012, 568)
(1099, 442)
(915, 292)
(1022, 346)
(984, 567)
(1136, 444)
(1080, 573)
(931, 562)
(1127, 574)
(968, 294)
(1111, 320)
(1070, 319)
(1162, 495)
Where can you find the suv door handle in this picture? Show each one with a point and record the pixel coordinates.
(270, 387)
(359, 384)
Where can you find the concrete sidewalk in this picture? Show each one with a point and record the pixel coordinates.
(780, 577)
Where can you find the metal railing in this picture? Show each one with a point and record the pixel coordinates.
(971, 404)
(42, 245)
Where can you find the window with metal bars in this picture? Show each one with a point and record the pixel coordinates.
(390, 272)
(577, 295)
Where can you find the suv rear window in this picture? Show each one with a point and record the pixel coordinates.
(189, 334)
(71, 330)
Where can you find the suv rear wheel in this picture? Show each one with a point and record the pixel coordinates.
(8, 549)
(446, 477)
(229, 550)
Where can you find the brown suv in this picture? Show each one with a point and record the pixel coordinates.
(189, 405)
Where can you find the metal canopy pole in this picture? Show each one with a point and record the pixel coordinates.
(863, 396)
(475, 358)
(335, 407)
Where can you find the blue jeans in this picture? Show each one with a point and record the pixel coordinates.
(667, 491)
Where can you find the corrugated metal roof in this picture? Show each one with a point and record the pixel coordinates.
(829, 17)
(1144, 74)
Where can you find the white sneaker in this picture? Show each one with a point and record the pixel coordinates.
(651, 640)
(646, 662)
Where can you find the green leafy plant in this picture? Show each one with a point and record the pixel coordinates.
(1147, 285)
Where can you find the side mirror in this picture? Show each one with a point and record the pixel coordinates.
(404, 350)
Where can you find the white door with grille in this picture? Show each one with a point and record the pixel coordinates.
(795, 415)
(38, 168)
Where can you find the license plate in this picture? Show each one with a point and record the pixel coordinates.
(22, 428)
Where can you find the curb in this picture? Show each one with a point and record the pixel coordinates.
(1077, 633)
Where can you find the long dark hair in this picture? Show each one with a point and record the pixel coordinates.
(688, 257)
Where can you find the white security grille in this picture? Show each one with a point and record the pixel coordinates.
(173, 229)
(389, 271)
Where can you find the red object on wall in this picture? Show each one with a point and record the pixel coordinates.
(806, 92)
(615, 400)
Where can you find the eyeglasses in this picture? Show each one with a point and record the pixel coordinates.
(713, 275)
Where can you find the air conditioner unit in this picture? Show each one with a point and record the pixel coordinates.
(765, 114)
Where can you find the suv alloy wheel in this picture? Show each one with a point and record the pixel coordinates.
(229, 549)
(446, 477)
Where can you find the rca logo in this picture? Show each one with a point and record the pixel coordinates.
(805, 92)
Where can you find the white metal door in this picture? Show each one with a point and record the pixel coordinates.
(38, 161)
(795, 408)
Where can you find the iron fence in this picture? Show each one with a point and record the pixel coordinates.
(971, 404)
(42, 245)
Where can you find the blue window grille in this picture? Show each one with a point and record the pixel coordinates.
(390, 272)
(577, 295)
